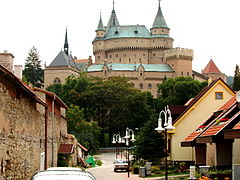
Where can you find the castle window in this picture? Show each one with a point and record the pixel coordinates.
(141, 86)
(141, 73)
(136, 32)
(99, 57)
(188, 73)
(101, 33)
(154, 30)
(218, 95)
(153, 40)
(182, 73)
(172, 65)
(135, 54)
(115, 41)
(124, 55)
(120, 60)
(116, 32)
(56, 81)
(154, 55)
(116, 55)
(149, 86)
(99, 43)
(110, 56)
(143, 54)
(129, 60)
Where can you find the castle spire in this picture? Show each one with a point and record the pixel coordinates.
(66, 48)
(113, 21)
(100, 24)
(159, 21)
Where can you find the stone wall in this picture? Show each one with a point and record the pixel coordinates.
(21, 133)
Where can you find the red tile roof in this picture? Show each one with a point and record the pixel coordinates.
(192, 136)
(66, 149)
(229, 103)
(211, 68)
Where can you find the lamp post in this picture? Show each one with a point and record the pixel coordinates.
(116, 139)
(165, 127)
(129, 134)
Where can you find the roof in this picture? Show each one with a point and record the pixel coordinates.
(113, 21)
(52, 96)
(211, 68)
(201, 94)
(100, 25)
(159, 21)
(82, 147)
(66, 149)
(131, 67)
(11, 77)
(208, 123)
(63, 59)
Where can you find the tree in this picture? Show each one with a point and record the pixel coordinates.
(236, 83)
(177, 91)
(32, 69)
(87, 133)
(149, 143)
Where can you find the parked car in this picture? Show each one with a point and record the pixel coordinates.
(120, 165)
(63, 173)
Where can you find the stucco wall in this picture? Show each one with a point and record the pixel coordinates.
(191, 121)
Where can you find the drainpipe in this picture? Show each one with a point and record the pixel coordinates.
(46, 138)
(53, 128)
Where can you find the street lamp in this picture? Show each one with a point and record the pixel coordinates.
(117, 139)
(129, 134)
(166, 126)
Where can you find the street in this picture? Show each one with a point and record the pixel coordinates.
(105, 172)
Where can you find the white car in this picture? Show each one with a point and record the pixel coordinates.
(120, 165)
(63, 173)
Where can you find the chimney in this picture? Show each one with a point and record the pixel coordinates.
(18, 71)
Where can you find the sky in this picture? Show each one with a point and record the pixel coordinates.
(210, 27)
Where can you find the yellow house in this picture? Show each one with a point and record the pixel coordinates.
(210, 99)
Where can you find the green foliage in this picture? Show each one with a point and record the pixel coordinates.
(32, 70)
(149, 143)
(87, 133)
(63, 160)
(98, 162)
(177, 91)
(236, 83)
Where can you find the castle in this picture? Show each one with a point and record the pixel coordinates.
(145, 57)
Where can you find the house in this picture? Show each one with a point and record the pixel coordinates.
(200, 107)
(216, 141)
(21, 128)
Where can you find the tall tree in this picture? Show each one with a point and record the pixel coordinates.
(149, 143)
(32, 69)
(236, 83)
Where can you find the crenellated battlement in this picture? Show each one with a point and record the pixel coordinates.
(179, 52)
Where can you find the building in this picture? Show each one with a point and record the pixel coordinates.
(6, 60)
(209, 100)
(146, 57)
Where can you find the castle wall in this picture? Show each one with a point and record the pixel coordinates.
(51, 73)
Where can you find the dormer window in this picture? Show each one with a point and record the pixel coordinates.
(116, 32)
(135, 31)
(57, 81)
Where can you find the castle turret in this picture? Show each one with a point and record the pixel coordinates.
(159, 25)
(113, 21)
(100, 31)
(66, 48)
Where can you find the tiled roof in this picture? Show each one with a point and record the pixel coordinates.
(66, 149)
(211, 68)
(192, 136)
(237, 126)
(131, 67)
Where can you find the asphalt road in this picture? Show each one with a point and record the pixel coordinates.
(105, 172)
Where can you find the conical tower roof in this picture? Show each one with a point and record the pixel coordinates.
(159, 21)
(66, 47)
(100, 24)
(211, 68)
(113, 21)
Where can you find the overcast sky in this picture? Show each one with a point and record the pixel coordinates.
(210, 27)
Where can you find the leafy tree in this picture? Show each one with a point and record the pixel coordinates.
(32, 70)
(149, 143)
(177, 91)
(236, 83)
(87, 133)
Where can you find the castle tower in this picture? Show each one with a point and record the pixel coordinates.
(113, 20)
(6, 60)
(61, 67)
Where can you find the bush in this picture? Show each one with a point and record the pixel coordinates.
(98, 162)
(155, 169)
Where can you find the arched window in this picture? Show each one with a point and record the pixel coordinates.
(56, 81)
(141, 86)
